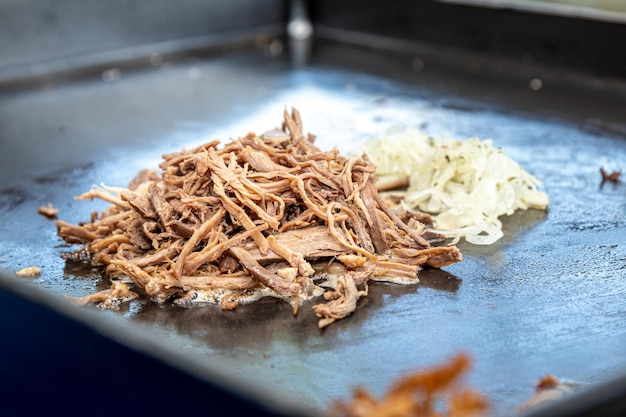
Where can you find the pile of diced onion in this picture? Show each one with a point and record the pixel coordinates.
(465, 184)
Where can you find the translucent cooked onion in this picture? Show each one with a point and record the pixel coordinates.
(465, 184)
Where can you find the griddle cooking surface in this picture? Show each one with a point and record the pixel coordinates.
(548, 298)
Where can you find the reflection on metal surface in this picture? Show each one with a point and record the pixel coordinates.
(299, 32)
(439, 279)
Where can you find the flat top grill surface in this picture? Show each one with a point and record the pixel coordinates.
(547, 298)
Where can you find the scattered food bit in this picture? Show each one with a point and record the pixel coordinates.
(30, 271)
(434, 392)
(548, 388)
(108, 299)
(49, 211)
(269, 215)
(466, 185)
(610, 176)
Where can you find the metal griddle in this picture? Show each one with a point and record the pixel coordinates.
(550, 297)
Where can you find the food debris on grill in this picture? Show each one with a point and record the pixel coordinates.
(433, 392)
(612, 176)
(49, 211)
(269, 215)
(29, 271)
(110, 298)
(548, 388)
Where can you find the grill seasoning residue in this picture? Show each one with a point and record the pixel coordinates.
(268, 215)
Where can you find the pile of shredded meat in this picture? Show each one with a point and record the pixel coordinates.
(269, 215)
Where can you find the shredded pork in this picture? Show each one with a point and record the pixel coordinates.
(269, 215)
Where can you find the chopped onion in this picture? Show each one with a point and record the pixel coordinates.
(466, 185)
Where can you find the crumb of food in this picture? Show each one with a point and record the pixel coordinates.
(49, 211)
(427, 393)
(30, 271)
(547, 382)
(108, 299)
(610, 176)
(548, 388)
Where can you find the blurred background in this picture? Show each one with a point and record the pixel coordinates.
(614, 5)
(40, 37)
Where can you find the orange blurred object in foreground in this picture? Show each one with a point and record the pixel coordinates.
(433, 392)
